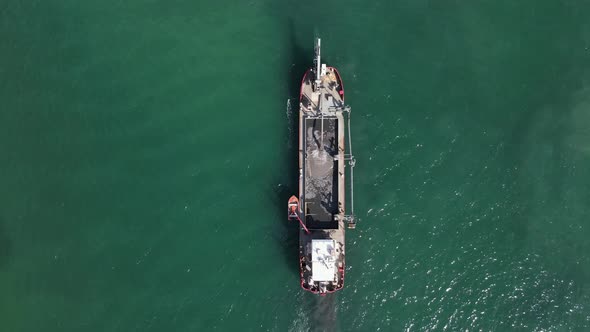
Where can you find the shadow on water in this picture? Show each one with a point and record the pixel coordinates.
(4, 245)
(298, 58)
(297, 61)
(323, 313)
(321, 310)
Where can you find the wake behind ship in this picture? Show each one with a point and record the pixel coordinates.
(320, 207)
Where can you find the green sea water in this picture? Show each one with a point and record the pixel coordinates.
(147, 151)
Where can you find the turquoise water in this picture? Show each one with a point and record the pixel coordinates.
(148, 153)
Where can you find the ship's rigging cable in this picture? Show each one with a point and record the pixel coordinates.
(302, 224)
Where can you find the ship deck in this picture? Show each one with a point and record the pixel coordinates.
(322, 180)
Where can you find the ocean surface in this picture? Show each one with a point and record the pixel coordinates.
(147, 153)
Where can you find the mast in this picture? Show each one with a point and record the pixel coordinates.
(318, 81)
(318, 62)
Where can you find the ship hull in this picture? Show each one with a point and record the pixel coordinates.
(321, 181)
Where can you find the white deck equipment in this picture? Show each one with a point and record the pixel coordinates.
(323, 258)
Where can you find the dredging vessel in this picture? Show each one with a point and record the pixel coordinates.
(320, 206)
